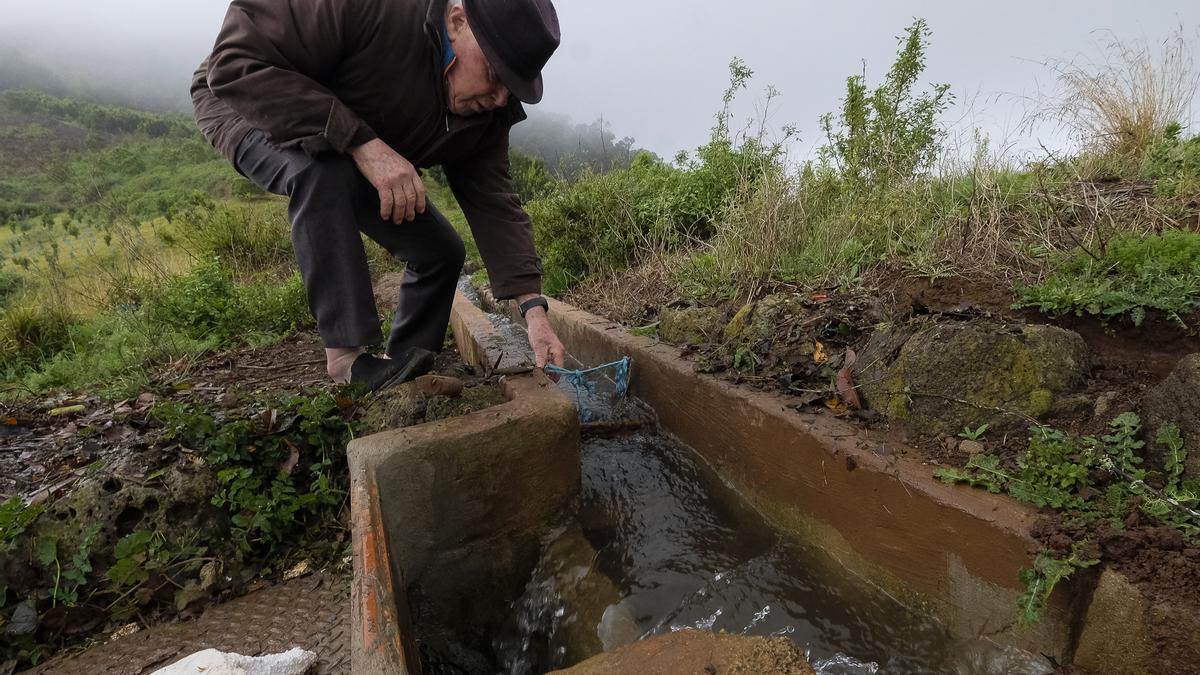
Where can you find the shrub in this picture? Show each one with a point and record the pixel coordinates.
(208, 303)
(33, 334)
(608, 221)
(890, 134)
(1174, 163)
(247, 236)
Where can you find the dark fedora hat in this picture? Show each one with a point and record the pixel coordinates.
(517, 37)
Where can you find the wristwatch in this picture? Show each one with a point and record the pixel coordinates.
(529, 304)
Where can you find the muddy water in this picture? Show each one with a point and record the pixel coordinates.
(673, 547)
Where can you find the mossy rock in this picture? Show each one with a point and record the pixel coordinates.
(941, 377)
(175, 502)
(406, 405)
(763, 320)
(1176, 400)
(737, 325)
(690, 325)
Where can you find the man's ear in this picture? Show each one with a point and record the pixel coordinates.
(456, 22)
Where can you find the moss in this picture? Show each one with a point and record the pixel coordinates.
(737, 325)
(1003, 375)
(689, 326)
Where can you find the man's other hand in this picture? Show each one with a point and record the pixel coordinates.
(401, 192)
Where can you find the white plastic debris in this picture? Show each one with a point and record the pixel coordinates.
(295, 661)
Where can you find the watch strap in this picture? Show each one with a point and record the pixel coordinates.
(533, 302)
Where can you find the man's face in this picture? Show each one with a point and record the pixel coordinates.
(471, 84)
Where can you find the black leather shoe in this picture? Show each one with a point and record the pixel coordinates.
(372, 373)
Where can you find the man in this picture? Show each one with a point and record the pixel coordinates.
(336, 103)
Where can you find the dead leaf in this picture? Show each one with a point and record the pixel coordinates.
(290, 463)
(66, 410)
(845, 382)
(302, 568)
(209, 574)
(819, 354)
(835, 404)
(268, 418)
(819, 298)
(10, 421)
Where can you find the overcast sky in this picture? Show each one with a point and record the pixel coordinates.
(656, 68)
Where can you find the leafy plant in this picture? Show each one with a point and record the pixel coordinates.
(1133, 275)
(1041, 579)
(73, 575)
(974, 434)
(888, 135)
(280, 474)
(1057, 471)
(15, 517)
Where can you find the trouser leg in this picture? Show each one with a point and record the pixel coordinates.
(330, 203)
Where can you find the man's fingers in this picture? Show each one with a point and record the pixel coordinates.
(385, 203)
(410, 203)
(420, 186)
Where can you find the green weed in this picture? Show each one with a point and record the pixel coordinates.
(1133, 275)
(1061, 472)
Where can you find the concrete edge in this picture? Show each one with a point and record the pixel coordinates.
(382, 636)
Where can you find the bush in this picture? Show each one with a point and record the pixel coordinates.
(608, 221)
(889, 135)
(247, 236)
(1132, 275)
(1174, 163)
(207, 303)
(32, 334)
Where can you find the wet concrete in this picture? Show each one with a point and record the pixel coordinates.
(449, 516)
(954, 552)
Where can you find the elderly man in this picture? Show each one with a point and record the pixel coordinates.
(336, 104)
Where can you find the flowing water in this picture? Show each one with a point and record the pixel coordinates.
(660, 543)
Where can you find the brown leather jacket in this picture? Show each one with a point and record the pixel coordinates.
(327, 75)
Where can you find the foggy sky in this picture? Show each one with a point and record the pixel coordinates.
(655, 69)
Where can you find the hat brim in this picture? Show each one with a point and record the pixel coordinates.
(526, 91)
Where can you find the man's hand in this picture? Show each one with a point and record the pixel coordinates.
(401, 192)
(545, 344)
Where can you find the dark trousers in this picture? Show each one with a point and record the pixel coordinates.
(330, 203)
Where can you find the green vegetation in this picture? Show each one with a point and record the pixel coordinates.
(1132, 274)
(1090, 481)
(281, 497)
(603, 222)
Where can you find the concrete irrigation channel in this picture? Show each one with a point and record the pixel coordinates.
(451, 518)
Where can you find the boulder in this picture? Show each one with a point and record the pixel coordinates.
(765, 319)
(1176, 400)
(942, 377)
(689, 325)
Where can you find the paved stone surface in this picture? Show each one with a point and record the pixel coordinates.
(312, 612)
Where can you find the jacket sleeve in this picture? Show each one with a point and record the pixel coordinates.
(269, 63)
(501, 228)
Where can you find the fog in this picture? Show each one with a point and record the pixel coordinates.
(654, 70)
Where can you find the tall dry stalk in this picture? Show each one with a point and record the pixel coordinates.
(1119, 102)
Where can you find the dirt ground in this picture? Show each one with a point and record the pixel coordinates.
(48, 446)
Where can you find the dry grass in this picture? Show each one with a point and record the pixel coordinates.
(1121, 101)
